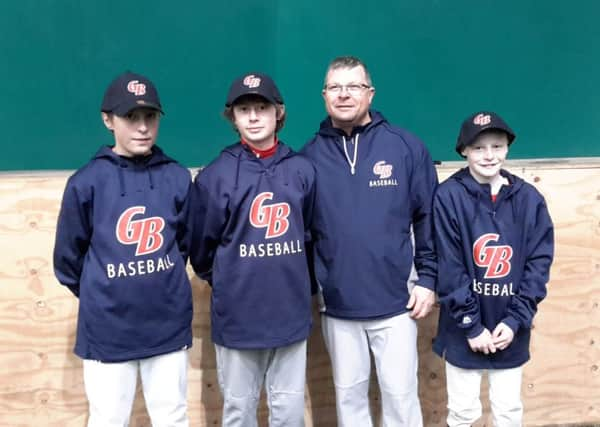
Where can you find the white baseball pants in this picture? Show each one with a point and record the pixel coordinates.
(464, 405)
(393, 342)
(110, 389)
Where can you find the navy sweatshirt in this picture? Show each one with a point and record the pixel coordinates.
(122, 243)
(494, 260)
(251, 220)
(363, 251)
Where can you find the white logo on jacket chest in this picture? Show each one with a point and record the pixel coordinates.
(384, 172)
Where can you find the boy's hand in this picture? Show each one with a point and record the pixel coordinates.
(502, 336)
(420, 302)
(483, 343)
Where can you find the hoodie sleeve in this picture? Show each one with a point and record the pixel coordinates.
(184, 224)
(309, 235)
(532, 289)
(208, 222)
(424, 183)
(73, 234)
(454, 284)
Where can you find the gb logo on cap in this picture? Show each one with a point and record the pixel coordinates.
(482, 119)
(251, 81)
(136, 88)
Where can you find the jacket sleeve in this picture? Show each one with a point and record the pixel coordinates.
(423, 185)
(208, 222)
(184, 223)
(454, 283)
(308, 213)
(539, 255)
(73, 235)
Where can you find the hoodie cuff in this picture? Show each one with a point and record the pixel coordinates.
(474, 330)
(426, 282)
(512, 323)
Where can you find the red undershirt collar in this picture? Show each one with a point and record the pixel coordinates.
(262, 154)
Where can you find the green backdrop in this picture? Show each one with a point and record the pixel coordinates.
(433, 62)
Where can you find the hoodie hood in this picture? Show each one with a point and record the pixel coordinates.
(482, 193)
(242, 153)
(157, 157)
(348, 145)
(474, 188)
(326, 127)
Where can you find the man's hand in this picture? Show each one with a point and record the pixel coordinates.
(420, 302)
(483, 343)
(502, 336)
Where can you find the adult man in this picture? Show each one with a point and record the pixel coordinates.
(375, 184)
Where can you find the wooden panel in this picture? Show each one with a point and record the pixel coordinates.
(41, 380)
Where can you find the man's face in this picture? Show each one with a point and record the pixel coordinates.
(135, 133)
(348, 97)
(256, 121)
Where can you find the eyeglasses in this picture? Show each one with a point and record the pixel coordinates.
(352, 88)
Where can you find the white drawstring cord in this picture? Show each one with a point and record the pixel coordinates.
(352, 162)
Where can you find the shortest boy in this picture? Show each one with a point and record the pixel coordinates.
(121, 247)
(495, 244)
(251, 209)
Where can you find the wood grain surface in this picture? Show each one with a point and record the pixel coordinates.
(41, 382)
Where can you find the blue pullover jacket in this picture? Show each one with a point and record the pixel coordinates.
(363, 252)
(251, 221)
(121, 246)
(494, 260)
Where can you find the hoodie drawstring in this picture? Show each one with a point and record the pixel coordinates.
(150, 178)
(122, 179)
(286, 173)
(237, 172)
(352, 162)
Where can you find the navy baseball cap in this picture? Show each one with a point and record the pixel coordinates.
(128, 92)
(254, 84)
(477, 123)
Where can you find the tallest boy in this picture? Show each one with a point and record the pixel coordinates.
(376, 181)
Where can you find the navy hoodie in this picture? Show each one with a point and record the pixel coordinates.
(362, 224)
(494, 260)
(251, 220)
(122, 243)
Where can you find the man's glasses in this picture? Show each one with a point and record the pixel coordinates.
(352, 88)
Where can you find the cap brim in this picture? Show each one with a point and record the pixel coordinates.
(123, 110)
(232, 101)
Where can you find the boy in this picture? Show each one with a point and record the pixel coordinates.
(251, 208)
(121, 247)
(495, 244)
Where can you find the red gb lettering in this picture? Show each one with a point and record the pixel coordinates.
(145, 233)
(496, 259)
(272, 217)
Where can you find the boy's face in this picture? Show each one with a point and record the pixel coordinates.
(136, 133)
(256, 120)
(486, 155)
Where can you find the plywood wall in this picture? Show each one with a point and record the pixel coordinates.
(41, 380)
